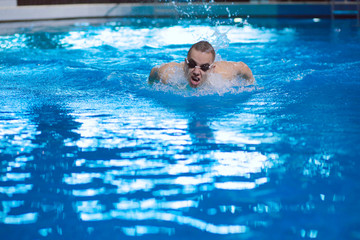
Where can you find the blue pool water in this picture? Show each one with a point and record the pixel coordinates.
(90, 151)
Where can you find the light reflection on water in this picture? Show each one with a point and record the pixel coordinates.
(88, 149)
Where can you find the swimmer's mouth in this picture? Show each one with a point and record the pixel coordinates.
(195, 79)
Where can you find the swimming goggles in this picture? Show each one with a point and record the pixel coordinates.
(192, 64)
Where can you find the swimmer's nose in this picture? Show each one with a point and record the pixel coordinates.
(196, 71)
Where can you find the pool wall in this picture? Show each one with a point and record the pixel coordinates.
(10, 12)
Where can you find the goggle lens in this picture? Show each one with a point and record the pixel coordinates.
(192, 64)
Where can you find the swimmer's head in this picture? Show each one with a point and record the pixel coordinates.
(199, 62)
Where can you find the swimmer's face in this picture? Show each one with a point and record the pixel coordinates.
(197, 66)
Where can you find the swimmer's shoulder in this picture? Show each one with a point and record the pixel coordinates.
(167, 70)
(227, 65)
(230, 70)
(164, 72)
(225, 68)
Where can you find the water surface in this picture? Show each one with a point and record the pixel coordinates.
(90, 151)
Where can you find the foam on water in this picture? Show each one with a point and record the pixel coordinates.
(214, 85)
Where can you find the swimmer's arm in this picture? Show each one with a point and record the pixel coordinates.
(244, 71)
(154, 75)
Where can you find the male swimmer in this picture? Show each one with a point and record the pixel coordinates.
(199, 65)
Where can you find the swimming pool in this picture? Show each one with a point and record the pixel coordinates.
(90, 151)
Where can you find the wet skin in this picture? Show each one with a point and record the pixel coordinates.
(196, 76)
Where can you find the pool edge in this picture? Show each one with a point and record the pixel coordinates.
(78, 11)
